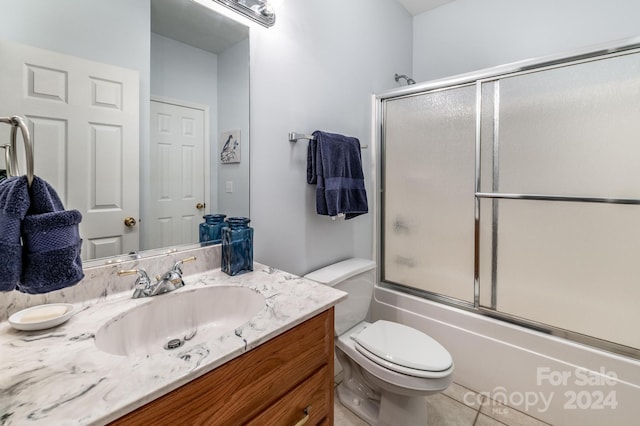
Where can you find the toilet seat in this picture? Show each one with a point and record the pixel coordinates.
(402, 349)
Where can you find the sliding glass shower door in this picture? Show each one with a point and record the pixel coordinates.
(428, 192)
(518, 195)
(560, 188)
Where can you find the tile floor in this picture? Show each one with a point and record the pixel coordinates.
(451, 408)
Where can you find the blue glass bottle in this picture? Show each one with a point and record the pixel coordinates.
(211, 228)
(237, 246)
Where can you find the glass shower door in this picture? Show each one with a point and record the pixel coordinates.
(517, 195)
(560, 188)
(428, 192)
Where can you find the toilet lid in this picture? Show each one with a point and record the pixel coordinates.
(403, 346)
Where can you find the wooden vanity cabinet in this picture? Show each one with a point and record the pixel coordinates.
(270, 385)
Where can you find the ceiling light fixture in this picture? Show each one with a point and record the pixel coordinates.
(259, 11)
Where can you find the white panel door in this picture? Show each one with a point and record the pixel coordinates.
(84, 121)
(177, 175)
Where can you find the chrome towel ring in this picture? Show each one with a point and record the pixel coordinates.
(16, 123)
(7, 159)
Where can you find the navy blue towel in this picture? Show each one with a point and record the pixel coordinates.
(51, 240)
(14, 203)
(334, 164)
(49, 257)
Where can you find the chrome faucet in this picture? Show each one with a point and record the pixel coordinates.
(143, 286)
(172, 279)
(169, 281)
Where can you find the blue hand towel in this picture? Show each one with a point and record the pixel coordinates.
(14, 203)
(335, 165)
(51, 239)
(312, 154)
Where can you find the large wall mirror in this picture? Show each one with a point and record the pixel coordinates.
(139, 114)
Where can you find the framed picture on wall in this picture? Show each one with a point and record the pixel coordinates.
(230, 147)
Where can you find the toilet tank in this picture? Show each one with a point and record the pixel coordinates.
(357, 278)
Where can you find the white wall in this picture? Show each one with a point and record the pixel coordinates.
(492, 356)
(186, 73)
(233, 113)
(83, 28)
(467, 35)
(316, 69)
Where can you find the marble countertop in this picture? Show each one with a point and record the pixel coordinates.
(58, 376)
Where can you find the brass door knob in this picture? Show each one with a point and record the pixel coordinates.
(200, 206)
(129, 221)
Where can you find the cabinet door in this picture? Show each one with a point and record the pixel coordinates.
(245, 387)
(311, 395)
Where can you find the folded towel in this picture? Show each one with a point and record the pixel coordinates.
(335, 165)
(312, 154)
(51, 239)
(14, 203)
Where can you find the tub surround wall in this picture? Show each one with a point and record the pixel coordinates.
(552, 379)
(59, 376)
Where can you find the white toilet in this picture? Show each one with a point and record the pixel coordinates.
(388, 368)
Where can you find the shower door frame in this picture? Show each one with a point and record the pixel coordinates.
(620, 47)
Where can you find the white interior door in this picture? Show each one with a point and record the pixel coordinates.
(83, 117)
(178, 169)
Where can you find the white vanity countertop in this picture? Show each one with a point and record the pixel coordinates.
(58, 376)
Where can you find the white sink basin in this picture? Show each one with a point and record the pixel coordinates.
(170, 320)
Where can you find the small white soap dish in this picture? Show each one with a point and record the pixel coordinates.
(42, 316)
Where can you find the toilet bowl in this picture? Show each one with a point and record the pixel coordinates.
(388, 368)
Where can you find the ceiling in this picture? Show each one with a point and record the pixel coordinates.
(416, 7)
(192, 24)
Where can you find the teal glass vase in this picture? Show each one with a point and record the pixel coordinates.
(237, 246)
(211, 228)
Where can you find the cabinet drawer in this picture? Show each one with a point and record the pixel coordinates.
(289, 410)
(244, 387)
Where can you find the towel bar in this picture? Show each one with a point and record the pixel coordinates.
(17, 122)
(295, 137)
(7, 158)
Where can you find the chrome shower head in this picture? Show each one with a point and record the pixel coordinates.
(408, 79)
